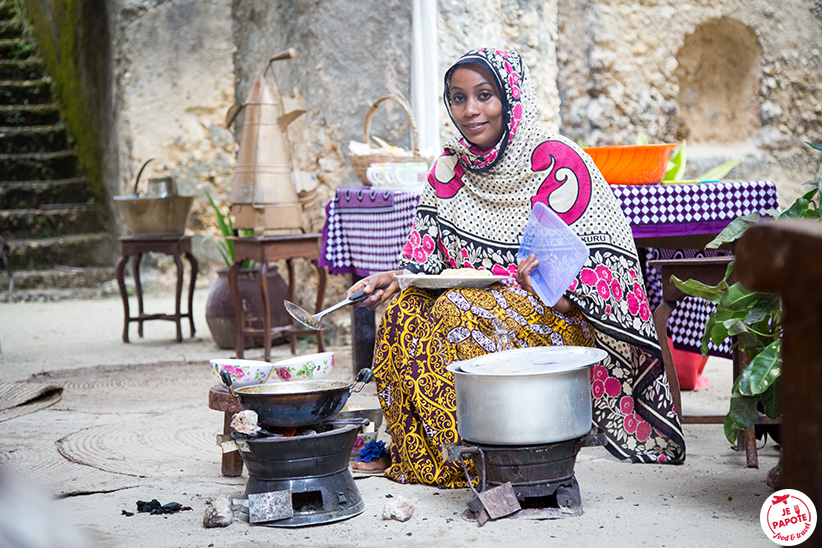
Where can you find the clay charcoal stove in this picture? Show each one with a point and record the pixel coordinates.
(299, 476)
(522, 481)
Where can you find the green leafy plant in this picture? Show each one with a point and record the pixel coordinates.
(754, 318)
(224, 245)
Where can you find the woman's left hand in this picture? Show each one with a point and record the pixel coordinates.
(524, 272)
(524, 279)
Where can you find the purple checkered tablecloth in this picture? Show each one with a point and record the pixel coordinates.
(684, 209)
(366, 229)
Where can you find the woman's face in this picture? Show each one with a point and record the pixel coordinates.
(476, 105)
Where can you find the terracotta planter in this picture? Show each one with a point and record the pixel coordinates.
(220, 308)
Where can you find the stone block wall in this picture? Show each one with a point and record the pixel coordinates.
(733, 77)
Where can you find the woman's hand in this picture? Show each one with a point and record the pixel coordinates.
(524, 279)
(524, 272)
(378, 287)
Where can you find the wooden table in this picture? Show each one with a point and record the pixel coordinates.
(365, 229)
(264, 250)
(135, 247)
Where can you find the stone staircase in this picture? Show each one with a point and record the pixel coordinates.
(53, 241)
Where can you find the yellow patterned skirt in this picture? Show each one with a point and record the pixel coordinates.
(421, 333)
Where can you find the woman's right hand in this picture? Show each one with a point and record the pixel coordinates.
(378, 287)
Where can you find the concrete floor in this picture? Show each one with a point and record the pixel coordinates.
(133, 424)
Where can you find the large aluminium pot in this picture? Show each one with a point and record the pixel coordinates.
(300, 403)
(526, 396)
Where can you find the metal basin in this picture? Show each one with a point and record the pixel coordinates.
(146, 216)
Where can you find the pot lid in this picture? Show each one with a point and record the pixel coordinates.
(533, 361)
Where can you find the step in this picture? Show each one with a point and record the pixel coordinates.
(29, 115)
(25, 92)
(22, 69)
(97, 249)
(61, 164)
(7, 9)
(10, 28)
(59, 277)
(33, 194)
(47, 222)
(33, 138)
(16, 48)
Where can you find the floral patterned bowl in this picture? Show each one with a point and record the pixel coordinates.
(301, 368)
(242, 372)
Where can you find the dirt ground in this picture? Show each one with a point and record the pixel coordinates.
(133, 425)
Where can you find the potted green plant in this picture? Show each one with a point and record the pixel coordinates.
(220, 315)
(754, 318)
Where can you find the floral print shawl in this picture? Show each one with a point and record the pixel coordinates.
(473, 211)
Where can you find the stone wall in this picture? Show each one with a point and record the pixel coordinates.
(173, 83)
(733, 77)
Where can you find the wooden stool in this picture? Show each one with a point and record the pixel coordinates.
(710, 271)
(220, 400)
(264, 250)
(135, 247)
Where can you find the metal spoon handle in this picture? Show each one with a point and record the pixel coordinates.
(357, 296)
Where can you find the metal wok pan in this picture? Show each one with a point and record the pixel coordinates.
(296, 403)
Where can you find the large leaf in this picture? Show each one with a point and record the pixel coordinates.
(696, 288)
(743, 382)
(738, 297)
(797, 209)
(719, 171)
(742, 414)
(225, 246)
(676, 165)
(764, 308)
(771, 400)
(734, 230)
(735, 326)
(766, 367)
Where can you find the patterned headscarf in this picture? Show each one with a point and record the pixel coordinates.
(473, 214)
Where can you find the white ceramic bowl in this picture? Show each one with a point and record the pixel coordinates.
(242, 372)
(301, 368)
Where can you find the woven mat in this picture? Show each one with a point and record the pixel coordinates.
(21, 398)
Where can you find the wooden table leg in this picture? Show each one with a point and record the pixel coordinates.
(178, 295)
(238, 307)
(292, 279)
(194, 271)
(121, 283)
(363, 335)
(138, 288)
(266, 311)
(318, 306)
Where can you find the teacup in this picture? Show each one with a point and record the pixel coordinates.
(406, 175)
(380, 175)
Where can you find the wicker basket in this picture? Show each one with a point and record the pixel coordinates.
(360, 162)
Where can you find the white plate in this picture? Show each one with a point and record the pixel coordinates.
(425, 281)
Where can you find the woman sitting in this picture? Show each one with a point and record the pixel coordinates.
(472, 214)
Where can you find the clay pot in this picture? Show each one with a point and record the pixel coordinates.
(220, 307)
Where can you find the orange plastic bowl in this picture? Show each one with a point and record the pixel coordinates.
(632, 164)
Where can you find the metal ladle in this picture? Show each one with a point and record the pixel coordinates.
(314, 321)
